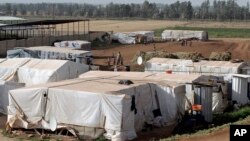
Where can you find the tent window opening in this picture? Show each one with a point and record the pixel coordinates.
(157, 112)
(133, 106)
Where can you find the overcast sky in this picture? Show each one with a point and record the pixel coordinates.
(195, 2)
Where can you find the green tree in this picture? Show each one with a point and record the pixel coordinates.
(8, 8)
(189, 11)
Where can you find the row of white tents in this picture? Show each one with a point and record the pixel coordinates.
(97, 102)
(131, 37)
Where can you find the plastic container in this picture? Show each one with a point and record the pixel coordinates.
(169, 71)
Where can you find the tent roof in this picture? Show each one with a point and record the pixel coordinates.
(13, 63)
(42, 22)
(194, 31)
(189, 63)
(41, 64)
(57, 49)
(44, 64)
(161, 76)
(106, 82)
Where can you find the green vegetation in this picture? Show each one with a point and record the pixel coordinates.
(207, 131)
(213, 32)
(224, 120)
(231, 116)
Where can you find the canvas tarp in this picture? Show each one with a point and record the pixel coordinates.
(75, 44)
(184, 34)
(130, 37)
(38, 71)
(48, 52)
(9, 67)
(20, 72)
(188, 66)
(103, 103)
(5, 86)
(123, 38)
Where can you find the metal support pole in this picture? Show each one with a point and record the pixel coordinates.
(73, 29)
(68, 30)
(88, 31)
(78, 29)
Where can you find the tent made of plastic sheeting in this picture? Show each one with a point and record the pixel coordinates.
(48, 52)
(219, 100)
(94, 105)
(75, 44)
(20, 72)
(38, 71)
(184, 34)
(123, 38)
(241, 88)
(5, 86)
(188, 66)
(132, 37)
(9, 67)
(177, 78)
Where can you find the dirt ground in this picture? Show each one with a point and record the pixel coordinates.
(240, 49)
(136, 25)
(222, 135)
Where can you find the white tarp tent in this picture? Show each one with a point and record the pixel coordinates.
(38, 71)
(188, 66)
(123, 38)
(48, 52)
(5, 86)
(220, 90)
(20, 72)
(98, 102)
(75, 44)
(9, 67)
(130, 37)
(184, 34)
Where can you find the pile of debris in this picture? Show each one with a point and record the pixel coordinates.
(164, 54)
(220, 56)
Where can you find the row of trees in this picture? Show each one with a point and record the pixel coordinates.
(217, 10)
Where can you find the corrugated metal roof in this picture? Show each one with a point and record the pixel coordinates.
(47, 22)
(10, 18)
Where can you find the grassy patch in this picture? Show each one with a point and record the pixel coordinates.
(231, 116)
(224, 120)
(207, 131)
(213, 32)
